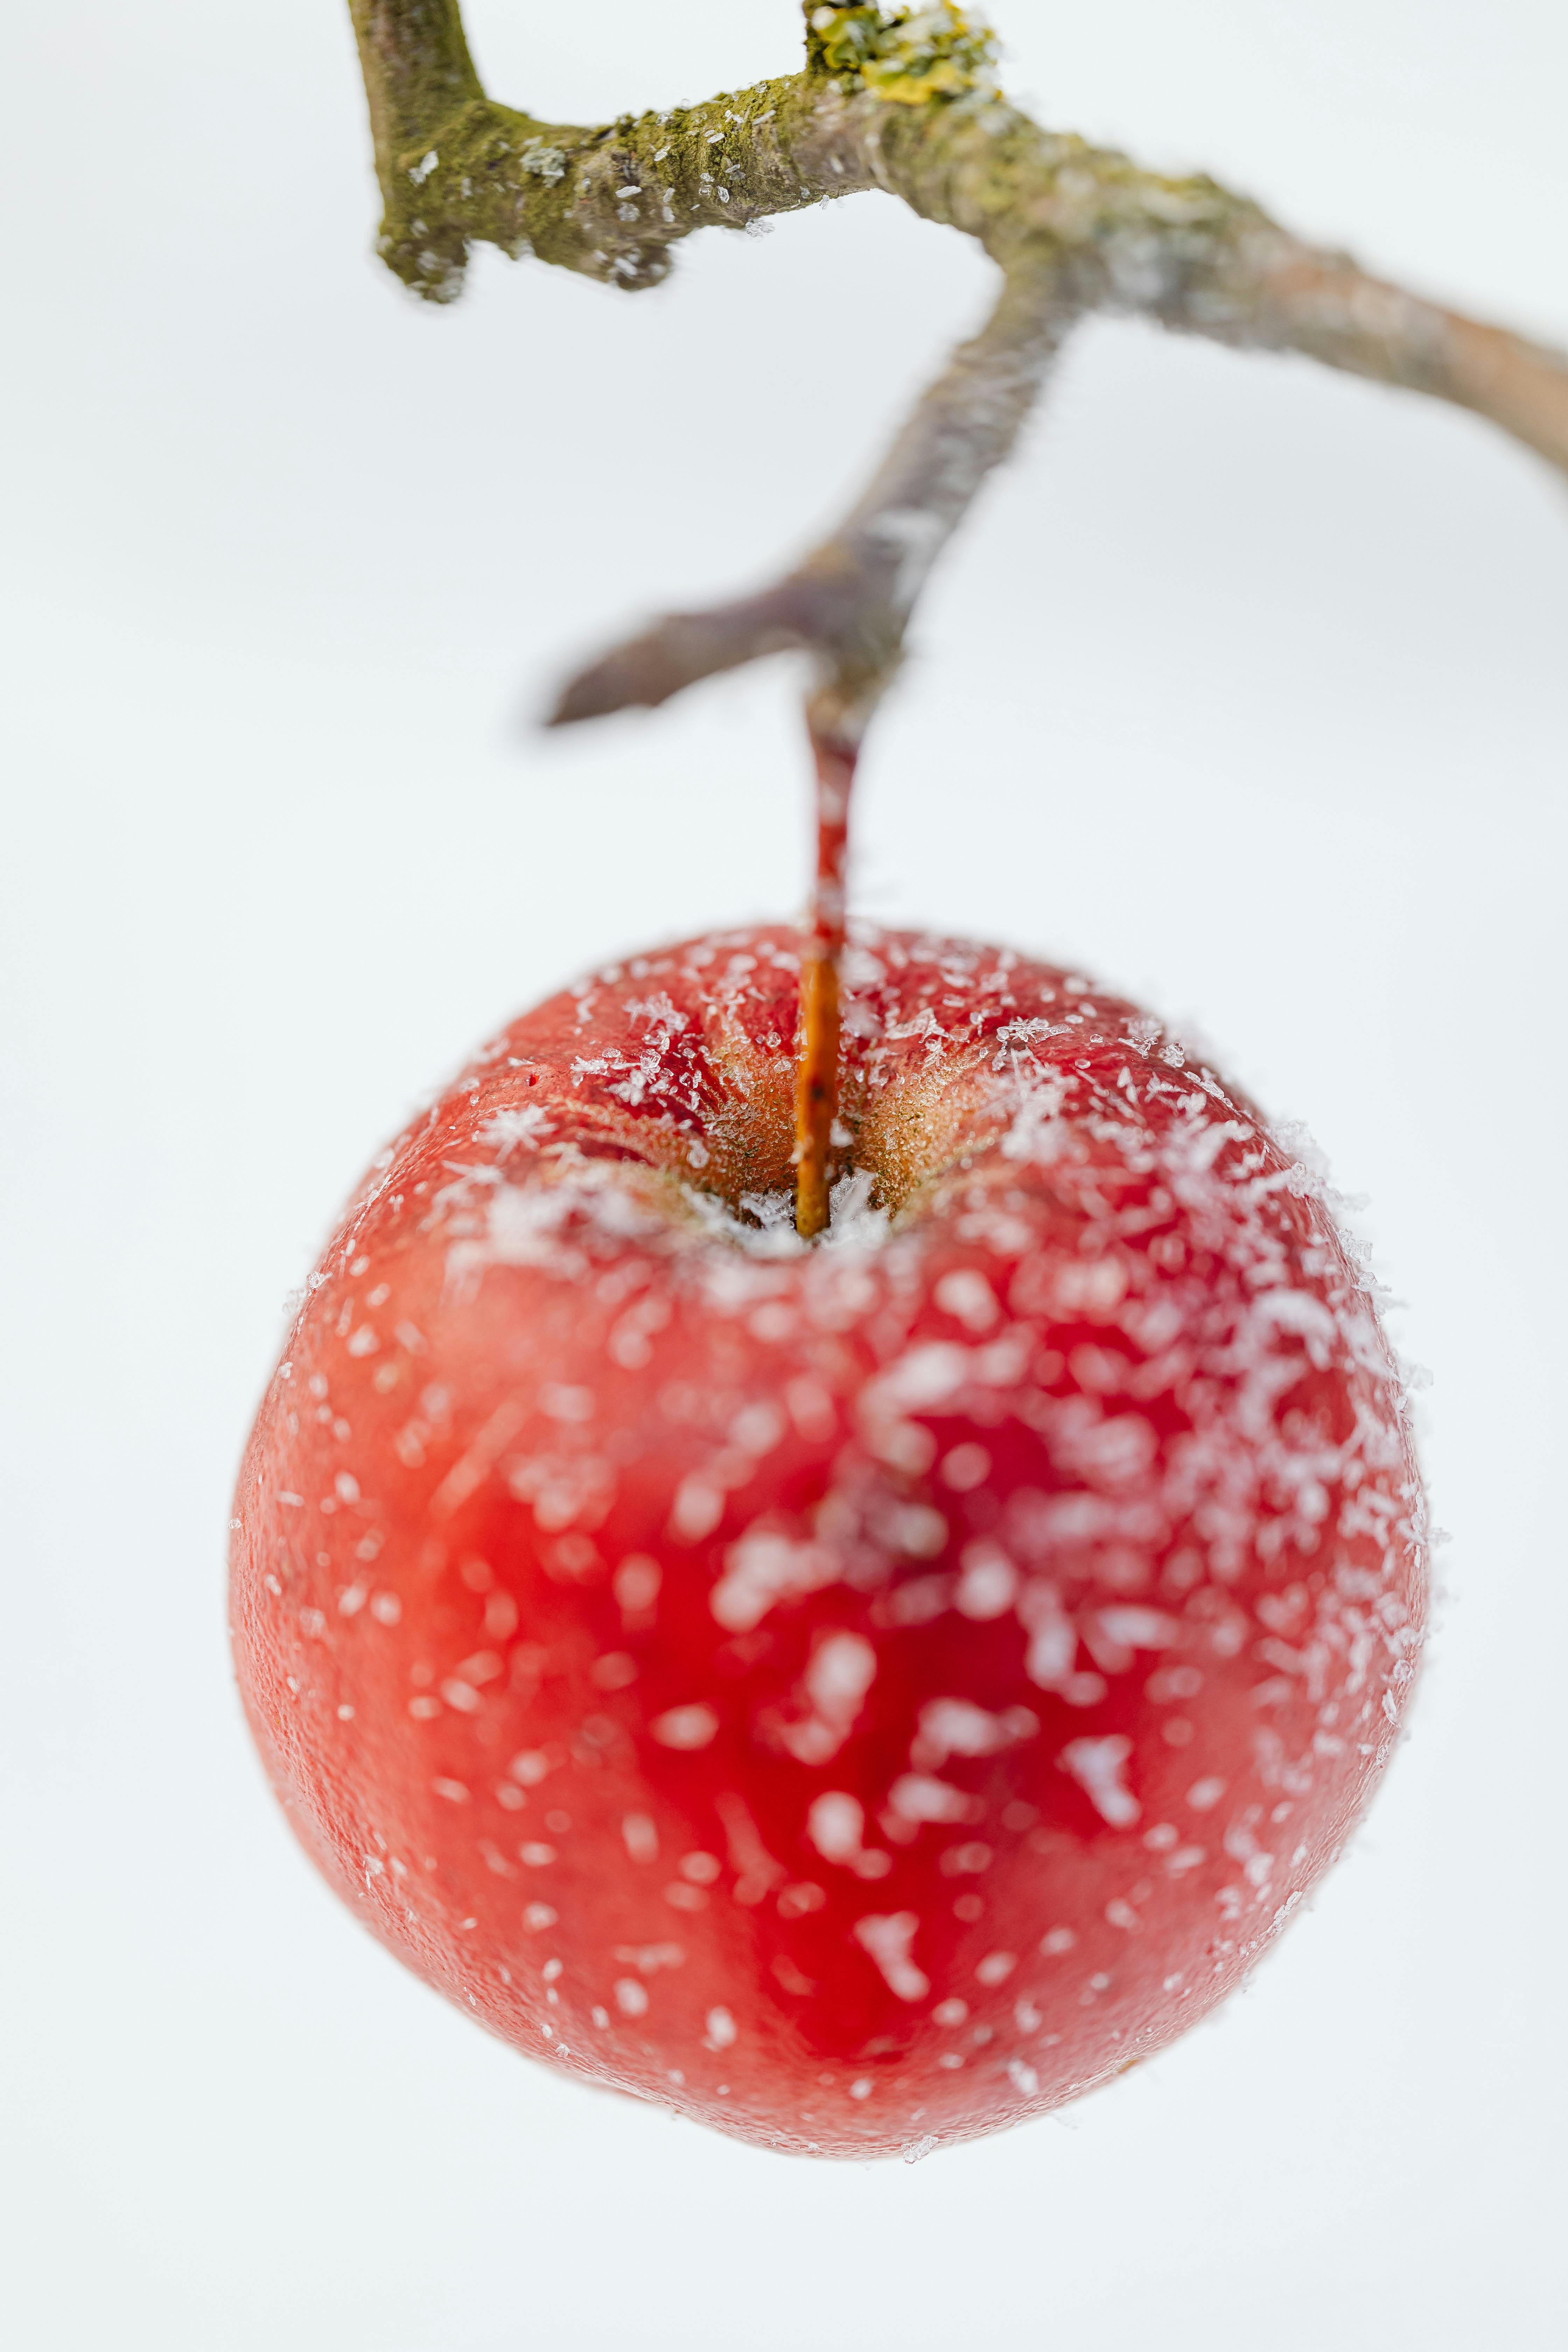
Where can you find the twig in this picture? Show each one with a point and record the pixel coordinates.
(906, 101)
(1075, 228)
(611, 200)
(851, 598)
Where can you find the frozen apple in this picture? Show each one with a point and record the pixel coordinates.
(859, 1692)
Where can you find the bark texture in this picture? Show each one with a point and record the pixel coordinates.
(907, 101)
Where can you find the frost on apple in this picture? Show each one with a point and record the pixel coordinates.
(863, 1692)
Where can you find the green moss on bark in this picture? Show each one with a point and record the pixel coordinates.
(904, 98)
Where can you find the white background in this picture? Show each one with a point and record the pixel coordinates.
(1245, 688)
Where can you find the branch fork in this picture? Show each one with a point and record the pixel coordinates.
(903, 98)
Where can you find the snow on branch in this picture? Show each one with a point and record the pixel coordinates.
(904, 100)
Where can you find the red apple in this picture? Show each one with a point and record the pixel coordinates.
(859, 1694)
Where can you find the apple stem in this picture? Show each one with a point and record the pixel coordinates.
(834, 744)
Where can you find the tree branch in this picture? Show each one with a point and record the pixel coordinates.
(1289, 297)
(903, 98)
(850, 599)
(907, 102)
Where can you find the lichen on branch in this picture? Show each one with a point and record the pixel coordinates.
(903, 55)
(904, 98)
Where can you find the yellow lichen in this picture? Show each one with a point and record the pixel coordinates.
(905, 56)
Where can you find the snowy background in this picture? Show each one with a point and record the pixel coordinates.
(1246, 689)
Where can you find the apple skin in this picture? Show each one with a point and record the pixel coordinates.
(860, 1695)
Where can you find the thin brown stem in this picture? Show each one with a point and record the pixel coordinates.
(816, 1087)
(816, 1077)
(836, 716)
